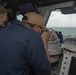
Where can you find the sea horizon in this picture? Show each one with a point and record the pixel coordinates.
(65, 30)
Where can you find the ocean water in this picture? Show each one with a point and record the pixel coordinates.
(66, 30)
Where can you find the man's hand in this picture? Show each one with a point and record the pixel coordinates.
(45, 36)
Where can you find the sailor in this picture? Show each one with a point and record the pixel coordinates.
(22, 51)
(3, 16)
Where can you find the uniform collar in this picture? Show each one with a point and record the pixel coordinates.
(18, 22)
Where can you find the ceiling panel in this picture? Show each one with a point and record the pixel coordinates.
(37, 2)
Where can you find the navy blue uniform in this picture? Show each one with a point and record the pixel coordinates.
(22, 51)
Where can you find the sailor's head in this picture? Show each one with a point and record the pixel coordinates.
(3, 14)
(33, 20)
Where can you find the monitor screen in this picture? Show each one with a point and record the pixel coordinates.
(27, 7)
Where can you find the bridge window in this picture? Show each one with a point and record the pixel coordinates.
(62, 22)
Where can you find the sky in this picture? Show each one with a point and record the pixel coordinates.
(57, 19)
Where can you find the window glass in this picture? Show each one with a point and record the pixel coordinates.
(19, 17)
(62, 22)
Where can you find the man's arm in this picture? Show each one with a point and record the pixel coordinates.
(45, 37)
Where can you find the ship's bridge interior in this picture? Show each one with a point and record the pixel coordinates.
(45, 7)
